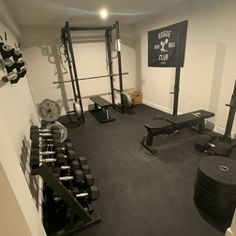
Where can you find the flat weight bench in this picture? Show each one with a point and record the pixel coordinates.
(170, 124)
(102, 105)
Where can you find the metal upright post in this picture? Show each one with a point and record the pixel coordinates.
(231, 115)
(110, 64)
(64, 41)
(176, 91)
(119, 64)
(74, 68)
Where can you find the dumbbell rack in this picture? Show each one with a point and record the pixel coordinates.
(80, 217)
(75, 207)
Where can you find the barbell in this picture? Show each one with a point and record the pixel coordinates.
(87, 78)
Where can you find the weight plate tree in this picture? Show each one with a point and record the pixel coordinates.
(215, 186)
(49, 110)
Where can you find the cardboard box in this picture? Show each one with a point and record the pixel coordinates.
(136, 96)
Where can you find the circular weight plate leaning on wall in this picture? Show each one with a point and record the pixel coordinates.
(49, 110)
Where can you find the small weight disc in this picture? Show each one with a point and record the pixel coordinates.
(127, 100)
(77, 109)
(49, 110)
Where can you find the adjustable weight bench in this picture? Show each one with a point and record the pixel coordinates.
(101, 106)
(170, 124)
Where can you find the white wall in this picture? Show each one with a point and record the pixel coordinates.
(232, 230)
(45, 65)
(18, 210)
(208, 76)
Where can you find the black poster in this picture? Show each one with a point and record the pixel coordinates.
(166, 46)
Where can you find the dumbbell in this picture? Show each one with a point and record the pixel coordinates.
(60, 158)
(35, 162)
(36, 134)
(46, 142)
(17, 54)
(35, 127)
(82, 160)
(83, 164)
(88, 179)
(11, 65)
(9, 77)
(204, 143)
(6, 50)
(59, 170)
(20, 74)
(92, 193)
(77, 177)
(86, 169)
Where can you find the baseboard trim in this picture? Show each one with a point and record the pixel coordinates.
(229, 232)
(159, 107)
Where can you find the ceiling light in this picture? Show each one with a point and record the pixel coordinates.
(103, 14)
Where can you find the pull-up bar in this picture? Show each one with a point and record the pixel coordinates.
(92, 28)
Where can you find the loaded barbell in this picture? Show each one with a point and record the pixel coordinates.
(91, 77)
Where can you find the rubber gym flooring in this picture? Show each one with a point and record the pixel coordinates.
(141, 194)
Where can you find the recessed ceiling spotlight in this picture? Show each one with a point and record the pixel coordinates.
(103, 13)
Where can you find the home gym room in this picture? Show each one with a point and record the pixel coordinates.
(118, 118)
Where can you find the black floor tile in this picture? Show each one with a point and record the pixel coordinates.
(141, 194)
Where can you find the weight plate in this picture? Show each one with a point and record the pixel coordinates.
(77, 109)
(61, 128)
(215, 186)
(215, 199)
(219, 170)
(127, 99)
(49, 110)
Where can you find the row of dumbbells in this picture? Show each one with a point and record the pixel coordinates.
(73, 171)
(11, 60)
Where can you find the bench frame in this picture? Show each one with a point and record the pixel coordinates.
(98, 108)
(198, 122)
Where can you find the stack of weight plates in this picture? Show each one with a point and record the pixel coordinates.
(215, 186)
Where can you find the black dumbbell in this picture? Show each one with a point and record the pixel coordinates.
(6, 50)
(62, 149)
(35, 162)
(51, 143)
(59, 170)
(35, 144)
(60, 158)
(82, 160)
(86, 169)
(35, 127)
(35, 135)
(83, 164)
(88, 178)
(77, 177)
(91, 194)
(16, 54)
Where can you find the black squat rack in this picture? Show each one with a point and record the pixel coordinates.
(74, 78)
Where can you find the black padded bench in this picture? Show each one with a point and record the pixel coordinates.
(172, 123)
(102, 104)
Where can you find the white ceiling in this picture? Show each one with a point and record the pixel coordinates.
(82, 12)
